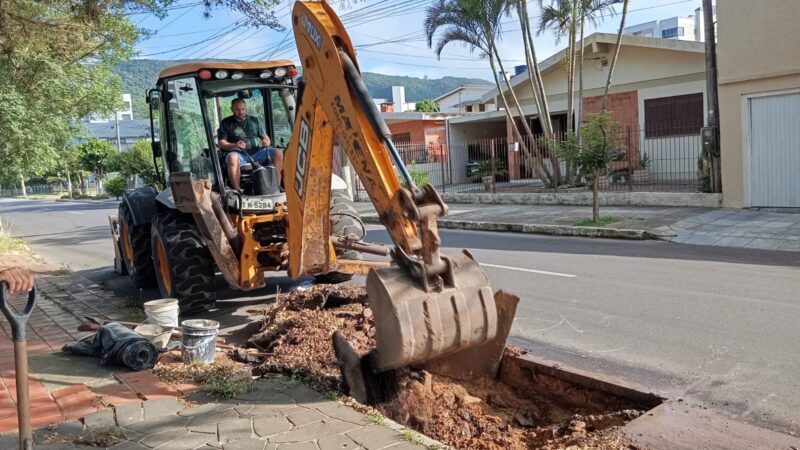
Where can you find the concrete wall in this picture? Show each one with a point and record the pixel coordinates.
(757, 39)
(758, 51)
(696, 200)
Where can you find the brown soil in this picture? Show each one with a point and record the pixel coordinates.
(483, 414)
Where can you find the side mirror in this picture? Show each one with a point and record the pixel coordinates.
(154, 98)
(172, 156)
(156, 146)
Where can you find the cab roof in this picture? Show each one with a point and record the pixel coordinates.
(192, 68)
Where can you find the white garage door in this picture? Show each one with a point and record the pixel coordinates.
(774, 151)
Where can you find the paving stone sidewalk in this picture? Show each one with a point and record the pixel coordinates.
(740, 228)
(73, 395)
(58, 395)
(700, 226)
(278, 415)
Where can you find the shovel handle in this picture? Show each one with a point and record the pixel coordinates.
(17, 321)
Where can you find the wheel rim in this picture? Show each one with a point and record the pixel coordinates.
(163, 267)
(127, 247)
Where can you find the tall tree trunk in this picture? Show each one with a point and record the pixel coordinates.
(545, 112)
(83, 183)
(509, 114)
(22, 184)
(595, 196)
(69, 181)
(571, 70)
(579, 109)
(537, 87)
(532, 153)
(547, 125)
(616, 55)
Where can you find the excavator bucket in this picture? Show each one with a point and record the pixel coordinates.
(414, 325)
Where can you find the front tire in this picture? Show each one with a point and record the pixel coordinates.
(183, 264)
(345, 221)
(135, 248)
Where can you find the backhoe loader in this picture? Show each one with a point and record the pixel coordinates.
(425, 304)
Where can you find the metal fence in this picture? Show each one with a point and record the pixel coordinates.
(38, 189)
(651, 159)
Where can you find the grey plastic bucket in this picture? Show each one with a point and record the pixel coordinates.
(199, 340)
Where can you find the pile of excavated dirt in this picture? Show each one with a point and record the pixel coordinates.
(483, 414)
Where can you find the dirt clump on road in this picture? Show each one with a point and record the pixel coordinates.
(483, 414)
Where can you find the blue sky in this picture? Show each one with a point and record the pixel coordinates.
(184, 33)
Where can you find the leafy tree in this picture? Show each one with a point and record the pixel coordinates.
(99, 157)
(138, 160)
(427, 105)
(56, 60)
(601, 142)
(116, 186)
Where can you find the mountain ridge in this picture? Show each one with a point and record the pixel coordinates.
(138, 75)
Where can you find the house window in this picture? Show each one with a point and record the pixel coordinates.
(469, 108)
(673, 116)
(672, 32)
(481, 107)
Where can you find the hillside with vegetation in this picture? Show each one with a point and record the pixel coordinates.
(138, 75)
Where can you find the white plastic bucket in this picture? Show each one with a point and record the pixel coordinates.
(199, 340)
(162, 312)
(154, 333)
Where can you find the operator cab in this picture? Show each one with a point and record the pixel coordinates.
(187, 106)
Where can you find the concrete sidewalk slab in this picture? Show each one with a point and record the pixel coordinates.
(311, 421)
(765, 230)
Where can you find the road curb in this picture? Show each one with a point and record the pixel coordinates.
(69, 200)
(532, 228)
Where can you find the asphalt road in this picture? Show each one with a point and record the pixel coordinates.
(715, 326)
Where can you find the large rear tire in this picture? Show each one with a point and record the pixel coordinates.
(135, 248)
(345, 221)
(183, 264)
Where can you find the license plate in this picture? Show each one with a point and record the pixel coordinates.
(257, 203)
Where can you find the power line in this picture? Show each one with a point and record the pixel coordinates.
(196, 52)
(216, 35)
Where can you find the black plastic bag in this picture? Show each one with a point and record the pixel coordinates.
(118, 345)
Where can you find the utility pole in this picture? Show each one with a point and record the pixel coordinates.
(711, 133)
(116, 125)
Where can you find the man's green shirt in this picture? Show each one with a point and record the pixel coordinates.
(249, 130)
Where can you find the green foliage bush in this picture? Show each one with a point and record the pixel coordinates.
(426, 105)
(420, 177)
(138, 160)
(116, 186)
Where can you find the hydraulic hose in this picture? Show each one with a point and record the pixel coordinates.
(357, 86)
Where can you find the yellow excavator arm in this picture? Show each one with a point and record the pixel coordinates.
(426, 304)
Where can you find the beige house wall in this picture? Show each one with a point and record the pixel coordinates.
(732, 132)
(657, 66)
(758, 51)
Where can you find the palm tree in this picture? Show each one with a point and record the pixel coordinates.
(616, 55)
(475, 23)
(537, 86)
